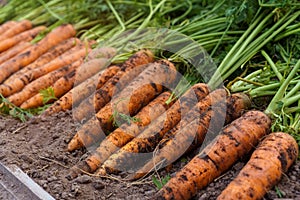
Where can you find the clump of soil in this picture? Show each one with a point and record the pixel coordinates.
(38, 147)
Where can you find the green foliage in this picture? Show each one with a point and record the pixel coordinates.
(48, 95)
(160, 182)
(8, 108)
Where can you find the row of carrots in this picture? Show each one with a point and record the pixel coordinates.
(130, 119)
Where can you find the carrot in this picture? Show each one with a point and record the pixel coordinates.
(25, 36)
(274, 155)
(59, 62)
(123, 134)
(128, 102)
(81, 91)
(57, 35)
(102, 52)
(43, 82)
(76, 76)
(127, 132)
(185, 138)
(146, 141)
(234, 141)
(16, 29)
(130, 69)
(11, 87)
(7, 25)
(48, 56)
(18, 48)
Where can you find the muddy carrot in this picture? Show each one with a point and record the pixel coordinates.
(41, 83)
(7, 25)
(146, 141)
(51, 54)
(19, 48)
(138, 93)
(104, 94)
(184, 138)
(66, 58)
(102, 52)
(68, 81)
(123, 134)
(127, 132)
(25, 36)
(57, 35)
(234, 142)
(16, 29)
(274, 155)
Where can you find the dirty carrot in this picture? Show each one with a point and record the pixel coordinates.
(104, 94)
(7, 25)
(48, 56)
(57, 35)
(233, 142)
(274, 155)
(138, 93)
(11, 87)
(21, 26)
(25, 36)
(123, 134)
(67, 82)
(184, 138)
(41, 83)
(146, 141)
(81, 91)
(11, 52)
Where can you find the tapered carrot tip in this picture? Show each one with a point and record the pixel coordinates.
(75, 143)
(101, 172)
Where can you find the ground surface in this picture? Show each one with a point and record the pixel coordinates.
(38, 147)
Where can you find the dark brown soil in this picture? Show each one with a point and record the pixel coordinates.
(38, 147)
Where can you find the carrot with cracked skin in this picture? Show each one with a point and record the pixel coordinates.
(13, 51)
(234, 141)
(81, 91)
(57, 35)
(129, 70)
(16, 85)
(42, 82)
(48, 56)
(146, 141)
(7, 25)
(125, 132)
(185, 138)
(129, 101)
(68, 81)
(25, 36)
(274, 155)
(21, 26)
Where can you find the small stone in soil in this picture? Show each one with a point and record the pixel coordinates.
(99, 185)
(84, 179)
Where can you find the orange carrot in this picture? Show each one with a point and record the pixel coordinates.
(185, 138)
(146, 141)
(59, 62)
(41, 83)
(57, 35)
(51, 54)
(81, 91)
(127, 132)
(274, 155)
(234, 141)
(25, 36)
(104, 94)
(138, 93)
(18, 48)
(21, 26)
(11, 87)
(76, 76)
(7, 25)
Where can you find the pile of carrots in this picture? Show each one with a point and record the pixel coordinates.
(130, 119)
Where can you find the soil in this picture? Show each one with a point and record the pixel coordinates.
(38, 147)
